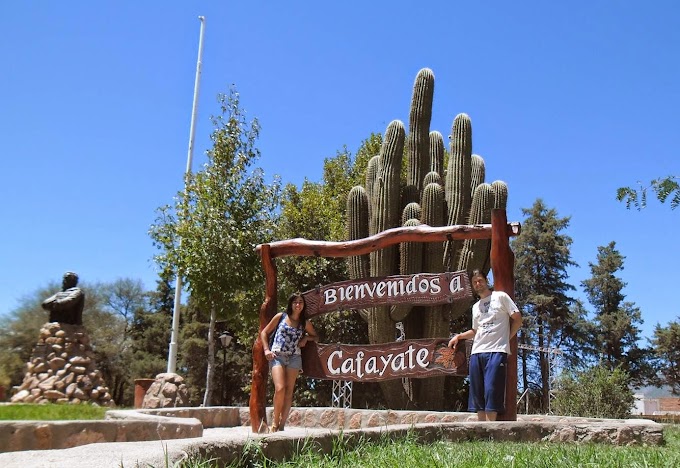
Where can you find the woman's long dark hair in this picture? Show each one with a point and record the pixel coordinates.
(303, 314)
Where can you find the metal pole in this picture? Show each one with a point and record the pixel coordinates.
(172, 351)
(224, 375)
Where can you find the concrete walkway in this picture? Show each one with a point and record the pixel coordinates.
(228, 441)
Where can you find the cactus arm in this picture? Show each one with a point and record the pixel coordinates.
(500, 194)
(433, 215)
(386, 201)
(436, 153)
(477, 172)
(371, 175)
(357, 228)
(458, 179)
(476, 251)
(500, 201)
(411, 211)
(386, 193)
(411, 254)
(434, 178)
(419, 129)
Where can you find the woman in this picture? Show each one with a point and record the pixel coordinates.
(291, 331)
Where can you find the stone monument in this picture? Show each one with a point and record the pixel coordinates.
(62, 367)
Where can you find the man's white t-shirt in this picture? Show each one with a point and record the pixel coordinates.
(491, 320)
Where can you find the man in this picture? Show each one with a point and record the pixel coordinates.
(66, 306)
(495, 319)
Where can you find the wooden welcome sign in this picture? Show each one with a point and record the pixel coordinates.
(399, 359)
(414, 358)
(417, 289)
(384, 361)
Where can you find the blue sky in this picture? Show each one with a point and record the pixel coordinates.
(568, 101)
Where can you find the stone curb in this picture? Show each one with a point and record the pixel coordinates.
(174, 434)
(119, 426)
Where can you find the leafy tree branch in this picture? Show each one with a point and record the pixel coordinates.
(664, 188)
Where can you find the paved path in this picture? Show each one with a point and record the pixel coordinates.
(147, 454)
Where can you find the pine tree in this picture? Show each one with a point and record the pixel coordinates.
(542, 258)
(666, 343)
(616, 333)
(151, 332)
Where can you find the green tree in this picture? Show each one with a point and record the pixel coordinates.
(193, 349)
(666, 344)
(616, 332)
(317, 211)
(211, 232)
(122, 300)
(663, 187)
(125, 297)
(20, 329)
(150, 332)
(543, 255)
(597, 392)
(233, 369)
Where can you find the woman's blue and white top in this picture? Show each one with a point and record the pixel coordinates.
(287, 338)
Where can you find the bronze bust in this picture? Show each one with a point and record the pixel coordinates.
(67, 305)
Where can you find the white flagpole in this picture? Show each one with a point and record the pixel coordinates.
(172, 351)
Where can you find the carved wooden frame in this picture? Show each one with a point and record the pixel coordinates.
(502, 265)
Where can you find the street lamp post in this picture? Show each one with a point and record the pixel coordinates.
(225, 339)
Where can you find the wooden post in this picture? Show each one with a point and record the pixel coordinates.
(503, 264)
(258, 394)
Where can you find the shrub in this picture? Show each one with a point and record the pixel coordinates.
(597, 392)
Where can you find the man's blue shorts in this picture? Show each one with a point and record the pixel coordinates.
(291, 361)
(487, 382)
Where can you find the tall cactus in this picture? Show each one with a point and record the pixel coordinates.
(431, 196)
(419, 130)
(458, 179)
(435, 321)
(386, 212)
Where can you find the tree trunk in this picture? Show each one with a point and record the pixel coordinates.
(525, 377)
(207, 398)
(545, 367)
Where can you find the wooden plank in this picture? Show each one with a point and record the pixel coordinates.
(385, 361)
(422, 233)
(417, 289)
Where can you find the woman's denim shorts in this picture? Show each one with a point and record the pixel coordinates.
(292, 361)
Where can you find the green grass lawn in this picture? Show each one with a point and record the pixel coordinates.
(50, 412)
(409, 453)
